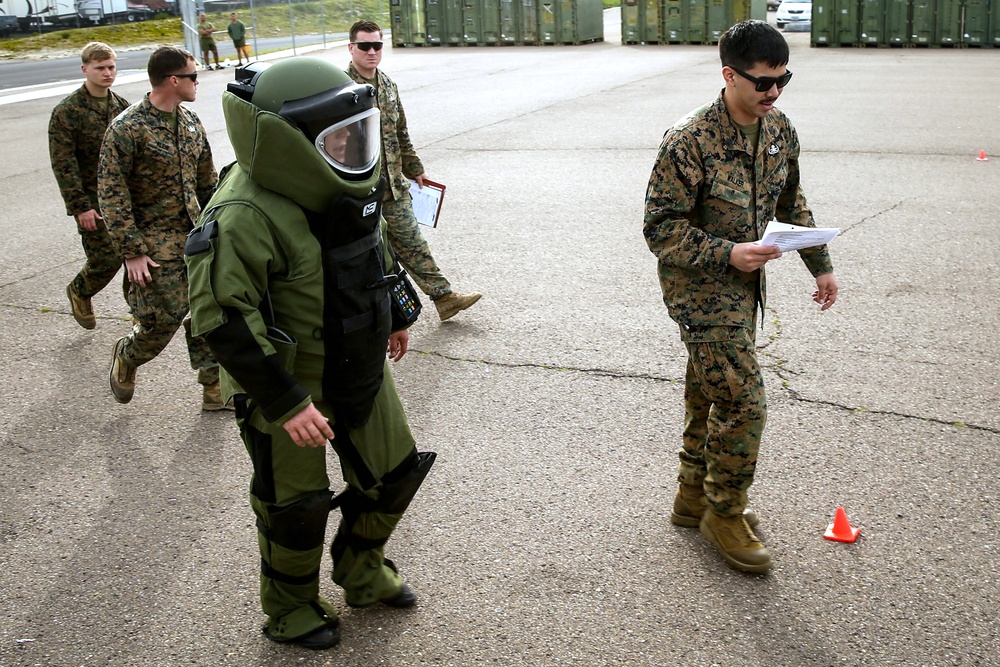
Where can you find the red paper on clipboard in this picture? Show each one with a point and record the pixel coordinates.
(427, 201)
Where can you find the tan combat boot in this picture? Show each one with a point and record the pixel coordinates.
(736, 542)
(690, 504)
(83, 312)
(453, 303)
(211, 398)
(122, 375)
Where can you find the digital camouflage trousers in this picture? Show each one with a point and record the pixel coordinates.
(101, 264)
(411, 249)
(725, 411)
(159, 309)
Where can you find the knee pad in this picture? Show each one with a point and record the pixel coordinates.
(400, 485)
(300, 526)
(398, 488)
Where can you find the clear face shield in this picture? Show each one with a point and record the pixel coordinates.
(352, 145)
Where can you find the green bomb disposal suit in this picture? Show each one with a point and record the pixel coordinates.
(285, 229)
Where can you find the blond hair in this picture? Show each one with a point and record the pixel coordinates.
(96, 52)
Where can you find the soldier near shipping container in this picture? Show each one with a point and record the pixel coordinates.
(399, 162)
(290, 279)
(156, 172)
(721, 174)
(76, 128)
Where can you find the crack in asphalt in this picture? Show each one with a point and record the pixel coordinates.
(871, 217)
(777, 366)
(780, 370)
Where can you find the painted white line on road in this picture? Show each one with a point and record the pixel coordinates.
(42, 90)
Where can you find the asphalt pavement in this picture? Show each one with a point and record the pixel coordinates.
(542, 535)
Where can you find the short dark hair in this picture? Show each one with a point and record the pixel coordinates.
(164, 62)
(364, 25)
(750, 42)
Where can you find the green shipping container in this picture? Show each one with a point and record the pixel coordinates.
(547, 22)
(993, 35)
(571, 21)
(897, 22)
(508, 22)
(922, 22)
(673, 22)
(720, 14)
(977, 23)
(651, 21)
(695, 17)
(580, 21)
(631, 30)
(872, 27)
(847, 22)
(444, 22)
(527, 22)
(407, 18)
(947, 22)
(741, 11)
(472, 22)
(489, 22)
(823, 27)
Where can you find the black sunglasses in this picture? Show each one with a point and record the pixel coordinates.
(193, 76)
(368, 46)
(765, 83)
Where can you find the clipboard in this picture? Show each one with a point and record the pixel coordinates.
(427, 202)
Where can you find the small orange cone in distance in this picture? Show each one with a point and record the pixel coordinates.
(840, 530)
(982, 156)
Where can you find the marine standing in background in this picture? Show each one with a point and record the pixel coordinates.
(399, 162)
(76, 128)
(722, 173)
(156, 171)
(207, 41)
(238, 33)
(294, 225)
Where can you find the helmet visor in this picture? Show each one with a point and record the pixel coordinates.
(352, 145)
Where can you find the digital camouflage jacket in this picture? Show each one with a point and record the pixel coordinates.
(76, 129)
(153, 181)
(706, 193)
(399, 158)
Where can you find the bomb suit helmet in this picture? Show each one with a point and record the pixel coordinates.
(336, 114)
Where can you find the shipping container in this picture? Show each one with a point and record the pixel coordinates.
(947, 23)
(872, 23)
(976, 27)
(922, 22)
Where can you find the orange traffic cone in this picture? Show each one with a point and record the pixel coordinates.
(982, 156)
(840, 530)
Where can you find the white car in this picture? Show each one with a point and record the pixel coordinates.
(790, 11)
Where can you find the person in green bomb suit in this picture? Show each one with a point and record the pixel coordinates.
(289, 277)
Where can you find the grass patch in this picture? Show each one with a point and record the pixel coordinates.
(270, 21)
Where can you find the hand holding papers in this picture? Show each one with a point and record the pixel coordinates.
(427, 201)
(795, 237)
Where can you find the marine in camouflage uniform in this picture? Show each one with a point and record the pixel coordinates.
(156, 171)
(400, 162)
(289, 285)
(713, 189)
(76, 128)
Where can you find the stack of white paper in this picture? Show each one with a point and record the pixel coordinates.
(795, 237)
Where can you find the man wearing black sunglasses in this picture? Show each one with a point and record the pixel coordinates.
(721, 174)
(400, 162)
(155, 174)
